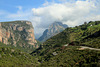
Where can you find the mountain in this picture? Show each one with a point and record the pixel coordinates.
(18, 34)
(85, 34)
(53, 29)
(55, 53)
(77, 46)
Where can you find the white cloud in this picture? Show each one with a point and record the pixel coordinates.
(1, 12)
(19, 7)
(46, 3)
(67, 0)
(19, 15)
(93, 18)
(62, 0)
(69, 13)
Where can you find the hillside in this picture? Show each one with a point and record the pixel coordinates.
(70, 57)
(11, 57)
(86, 34)
(74, 47)
(53, 52)
(53, 29)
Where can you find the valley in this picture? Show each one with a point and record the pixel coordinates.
(49, 33)
(74, 47)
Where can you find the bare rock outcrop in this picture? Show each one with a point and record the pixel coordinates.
(17, 33)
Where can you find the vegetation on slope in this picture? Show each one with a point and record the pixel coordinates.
(86, 34)
(10, 57)
(71, 57)
(53, 53)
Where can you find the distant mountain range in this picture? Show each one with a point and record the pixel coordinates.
(53, 29)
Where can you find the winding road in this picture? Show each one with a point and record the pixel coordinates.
(85, 47)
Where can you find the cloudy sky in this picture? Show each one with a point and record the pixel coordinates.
(42, 13)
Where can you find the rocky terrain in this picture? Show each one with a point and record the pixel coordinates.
(18, 33)
(53, 29)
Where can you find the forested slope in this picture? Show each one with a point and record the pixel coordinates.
(54, 53)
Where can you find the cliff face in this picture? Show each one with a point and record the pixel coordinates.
(53, 29)
(17, 33)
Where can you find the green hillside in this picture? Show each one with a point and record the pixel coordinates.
(71, 57)
(86, 34)
(53, 53)
(11, 57)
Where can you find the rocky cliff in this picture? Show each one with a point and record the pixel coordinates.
(17, 33)
(53, 29)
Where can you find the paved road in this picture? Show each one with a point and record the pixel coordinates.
(89, 48)
(85, 47)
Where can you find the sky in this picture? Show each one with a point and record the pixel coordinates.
(42, 13)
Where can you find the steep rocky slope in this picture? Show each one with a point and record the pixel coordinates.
(53, 29)
(18, 34)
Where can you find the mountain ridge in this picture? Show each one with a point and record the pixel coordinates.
(53, 52)
(53, 29)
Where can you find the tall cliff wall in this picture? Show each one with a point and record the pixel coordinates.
(18, 33)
